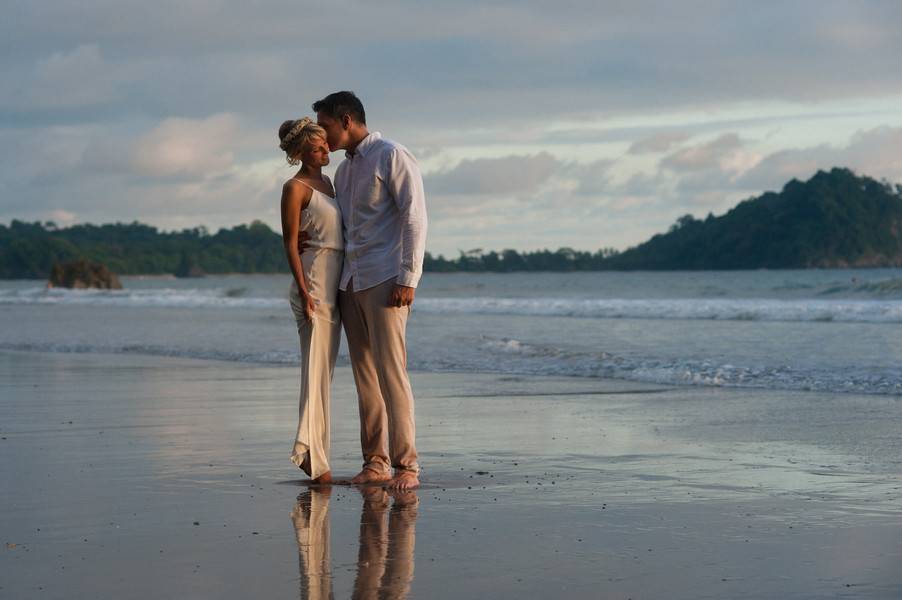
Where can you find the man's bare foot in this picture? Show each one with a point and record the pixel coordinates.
(369, 476)
(404, 498)
(404, 480)
(324, 479)
(373, 495)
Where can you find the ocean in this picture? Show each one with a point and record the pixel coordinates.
(824, 330)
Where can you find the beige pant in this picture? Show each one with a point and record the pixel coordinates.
(385, 559)
(319, 339)
(376, 342)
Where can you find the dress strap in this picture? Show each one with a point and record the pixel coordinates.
(305, 183)
(313, 188)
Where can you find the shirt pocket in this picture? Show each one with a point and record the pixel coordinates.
(371, 191)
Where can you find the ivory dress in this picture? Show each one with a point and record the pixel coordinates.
(322, 262)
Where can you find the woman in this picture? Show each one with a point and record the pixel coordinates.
(308, 204)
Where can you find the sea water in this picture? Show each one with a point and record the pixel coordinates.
(824, 330)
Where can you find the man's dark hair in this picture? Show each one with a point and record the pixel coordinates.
(339, 104)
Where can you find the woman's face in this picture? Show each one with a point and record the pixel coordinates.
(316, 153)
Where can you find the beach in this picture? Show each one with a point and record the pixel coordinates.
(127, 475)
(642, 262)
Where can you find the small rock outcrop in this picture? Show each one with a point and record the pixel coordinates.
(188, 267)
(83, 274)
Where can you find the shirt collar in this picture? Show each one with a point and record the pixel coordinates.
(365, 144)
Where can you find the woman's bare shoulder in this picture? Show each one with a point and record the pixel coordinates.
(296, 189)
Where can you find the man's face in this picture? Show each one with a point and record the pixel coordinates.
(336, 134)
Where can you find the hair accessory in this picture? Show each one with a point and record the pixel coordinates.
(294, 132)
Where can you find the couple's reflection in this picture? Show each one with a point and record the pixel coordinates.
(385, 556)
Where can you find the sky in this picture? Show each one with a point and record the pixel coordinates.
(536, 124)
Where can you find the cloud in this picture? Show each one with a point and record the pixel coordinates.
(703, 156)
(522, 60)
(661, 142)
(876, 152)
(186, 147)
(66, 80)
(173, 173)
(62, 217)
(62, 78)
(557, 120)
(641, 184)
(591, 179)
(503, 175)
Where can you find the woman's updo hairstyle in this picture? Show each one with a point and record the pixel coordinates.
(295, 135)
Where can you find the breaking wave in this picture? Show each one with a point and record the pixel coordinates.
(724, 309)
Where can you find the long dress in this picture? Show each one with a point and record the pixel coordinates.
(322, 261)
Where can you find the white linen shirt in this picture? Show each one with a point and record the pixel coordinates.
(383, 211)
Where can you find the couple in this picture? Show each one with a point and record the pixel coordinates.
(356, 253)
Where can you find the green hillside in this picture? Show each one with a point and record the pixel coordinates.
(835, 219)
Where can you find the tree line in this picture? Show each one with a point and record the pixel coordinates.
(835, 219)
(29, 251)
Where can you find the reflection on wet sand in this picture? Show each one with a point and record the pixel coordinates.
(311, 527)
(385, 558)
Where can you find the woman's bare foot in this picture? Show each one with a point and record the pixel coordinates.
(404, 480)
(324, 479)
(370, 476)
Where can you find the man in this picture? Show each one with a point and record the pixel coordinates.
(380, 191)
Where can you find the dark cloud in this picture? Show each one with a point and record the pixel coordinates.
(495, 61)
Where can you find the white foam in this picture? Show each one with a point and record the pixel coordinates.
(725, 309)
(157, 297)
(514, 356)
(511, 355)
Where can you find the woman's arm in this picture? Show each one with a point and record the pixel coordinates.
(295, 198)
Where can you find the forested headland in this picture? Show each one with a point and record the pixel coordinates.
(835, 219)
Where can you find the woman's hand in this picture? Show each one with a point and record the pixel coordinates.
(309, 306)
(303, 238)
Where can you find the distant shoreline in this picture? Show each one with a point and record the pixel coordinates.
(165, 276)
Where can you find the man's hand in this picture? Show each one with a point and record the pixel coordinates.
(303, 238)
(401, 296)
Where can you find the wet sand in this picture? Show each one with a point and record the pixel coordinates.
(143, 477)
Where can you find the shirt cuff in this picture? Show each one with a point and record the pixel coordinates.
(408, 279)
